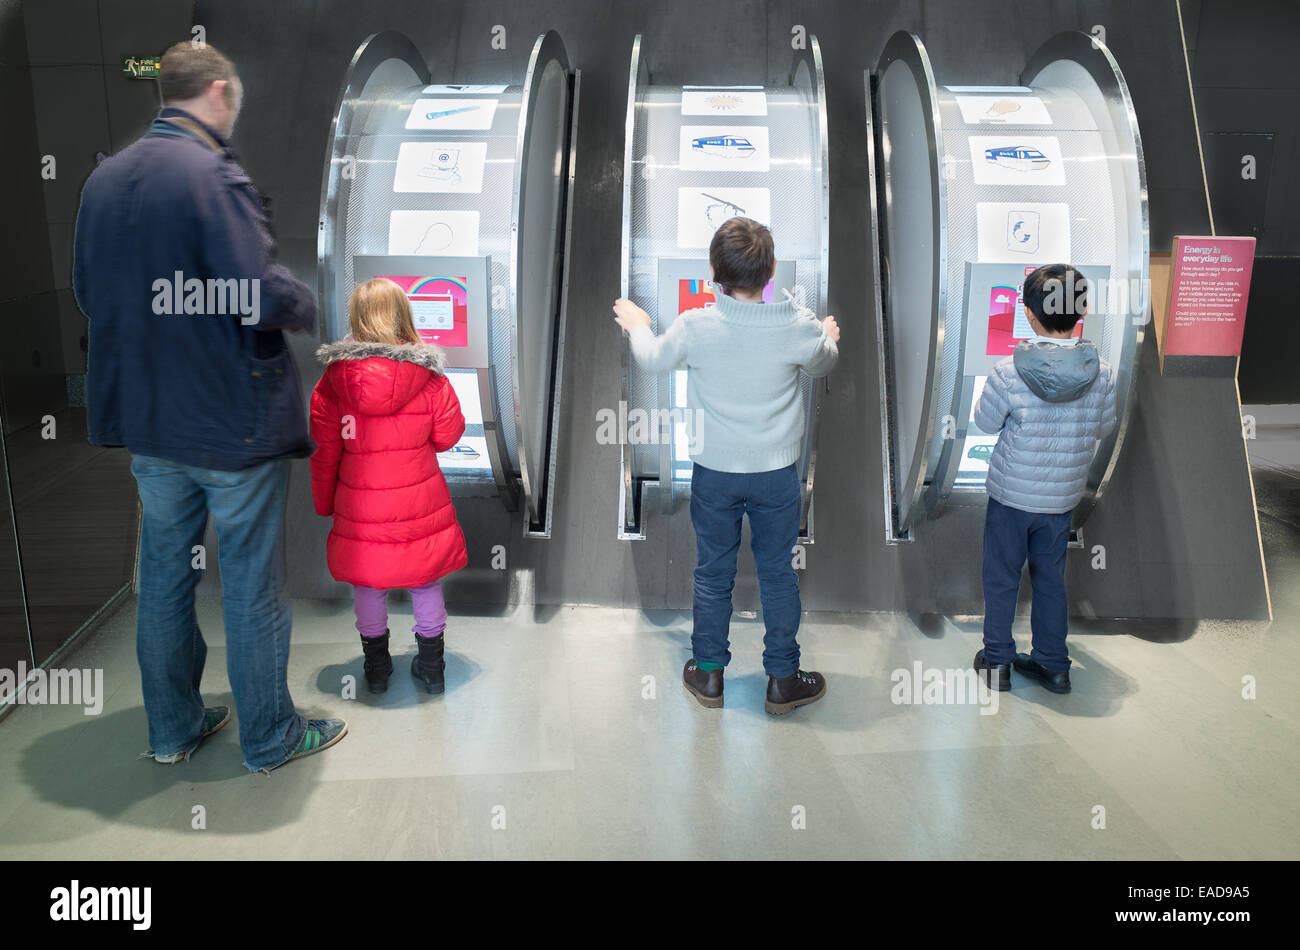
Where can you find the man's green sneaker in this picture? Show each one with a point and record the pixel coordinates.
(214, 718)
(320, 734)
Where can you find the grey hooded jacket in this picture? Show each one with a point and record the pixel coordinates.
(1049, 405)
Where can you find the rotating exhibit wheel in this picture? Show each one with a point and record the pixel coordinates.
(974, 187)
(462, 194)
(694, 156)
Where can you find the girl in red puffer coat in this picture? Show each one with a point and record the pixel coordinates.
(379, 416)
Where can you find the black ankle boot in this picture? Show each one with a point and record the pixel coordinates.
(1058, 681)
(994, 675)
(379, 665)
(428, 664)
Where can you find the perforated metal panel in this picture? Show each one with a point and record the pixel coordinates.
(1086, 115)
(797, 184)
(521, 218)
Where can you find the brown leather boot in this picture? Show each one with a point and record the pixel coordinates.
(705, 687)
(800, 689)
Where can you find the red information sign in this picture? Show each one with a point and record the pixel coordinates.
(1207, 299)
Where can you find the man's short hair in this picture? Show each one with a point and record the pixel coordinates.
(1057, 295)
(187, 71)
(742, 255)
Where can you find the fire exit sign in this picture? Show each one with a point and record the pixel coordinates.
(141, 67)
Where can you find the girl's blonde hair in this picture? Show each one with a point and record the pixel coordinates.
(379, 312)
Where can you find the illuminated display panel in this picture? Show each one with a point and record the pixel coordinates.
(439, 306)
(1007, 322)
(996, 323)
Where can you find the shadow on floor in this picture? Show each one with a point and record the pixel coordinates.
(403, 690)
(1150, 629)
(95, 767)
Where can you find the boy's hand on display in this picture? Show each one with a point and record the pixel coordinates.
(832, 329)
(629, 316)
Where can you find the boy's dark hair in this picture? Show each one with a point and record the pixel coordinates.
(187, 71)
(1057, 295)
(742, 255)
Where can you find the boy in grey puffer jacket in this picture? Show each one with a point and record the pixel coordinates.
(1049, 403)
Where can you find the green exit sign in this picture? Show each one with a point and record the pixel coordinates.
(141, 67)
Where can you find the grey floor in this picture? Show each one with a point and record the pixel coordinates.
(565, 733)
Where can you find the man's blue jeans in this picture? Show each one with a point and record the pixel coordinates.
(248, 512)
(1010, 537)
(719, 502)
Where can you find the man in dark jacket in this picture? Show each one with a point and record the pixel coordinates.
(188, 368)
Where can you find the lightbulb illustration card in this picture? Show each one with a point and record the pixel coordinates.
(446, 233)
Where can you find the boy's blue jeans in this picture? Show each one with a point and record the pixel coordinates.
(248, 512)
(1010, 537)
(719, 501)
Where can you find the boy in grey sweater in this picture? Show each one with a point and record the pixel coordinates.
(1049, 403)
(743, 358)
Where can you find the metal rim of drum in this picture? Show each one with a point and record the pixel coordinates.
(905, 49)
(629, 518)
(638, 77)
(548, 50)
(373, 52)
(1093, 55)
(810, 59)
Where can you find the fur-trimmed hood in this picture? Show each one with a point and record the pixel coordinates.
(422, 354)
(379, 379)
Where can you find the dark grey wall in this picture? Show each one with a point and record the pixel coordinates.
(27, 279)
(84, 105)
(1243, 55)
(1177, 525)
(73, 504)
(31, 374)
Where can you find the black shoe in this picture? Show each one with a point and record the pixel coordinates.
(378, 665)
(994, 677)
(1056, 681)
(428, 664)
(705, 687)
(799, 689)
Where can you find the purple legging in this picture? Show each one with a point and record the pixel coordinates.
(372, 610)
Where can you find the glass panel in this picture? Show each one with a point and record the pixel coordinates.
(15, 644)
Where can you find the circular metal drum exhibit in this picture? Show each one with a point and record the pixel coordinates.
(694, 157)
(462, 194)
(976, 186)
